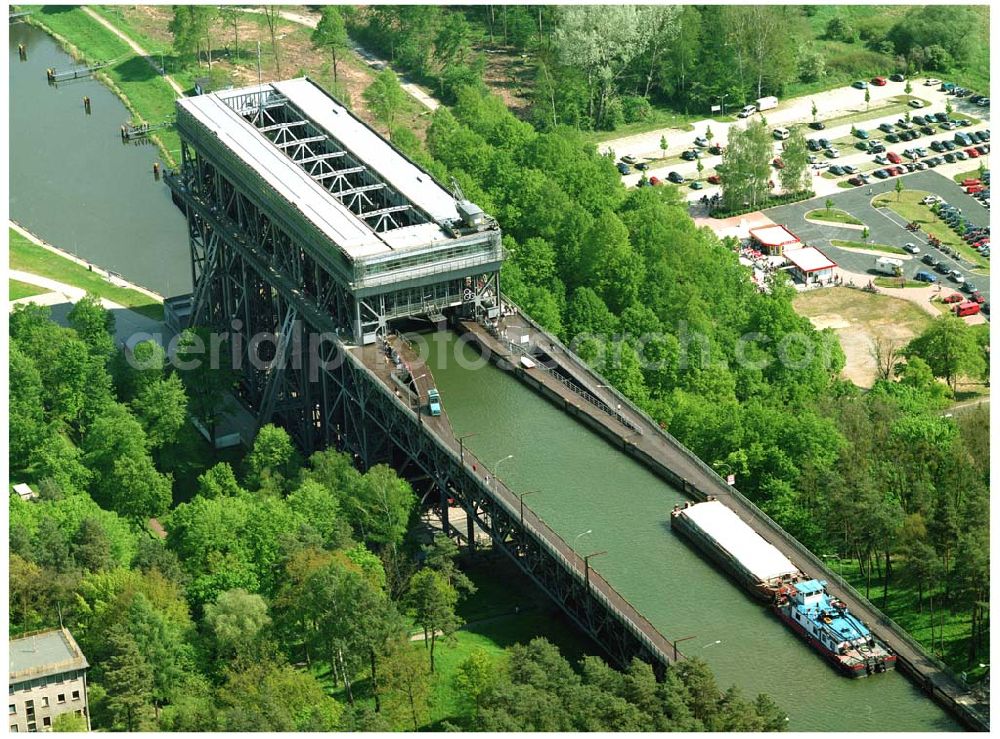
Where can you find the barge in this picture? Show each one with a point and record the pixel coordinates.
(755, 563)
(800, 601)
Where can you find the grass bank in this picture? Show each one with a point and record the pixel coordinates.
(29, 257)
(894, 283)
(834, 215)
(147, 95)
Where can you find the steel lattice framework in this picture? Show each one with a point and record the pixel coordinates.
(292, 307)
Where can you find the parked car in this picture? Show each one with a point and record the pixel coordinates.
(654, 180)
(927, 130)
(817, 125)
(904, 124)
(897, 78)
(880, 173)
(675, 177)
(823, 143)
(969, 308)
(922, 276)
(860, 85)
(880, 159)
(953, 298)
(949, 145)
(928, 259)
(623, 168)
(941, 268)
(972, 153)
(892, 138)
(956, 276)
(932, 82)
(849, 168)
(781, 133)
(915, 103)
(961, 156)
(695, 185)
(921, 151)
(836, 169)
(887, 127)
(941, 116)
(878, 81)
(911, 248)
(894, 157)
(701, 141)
(690, 155)
(930, 200)
(714, 179)
(949, 157)
(861, 133)
(875, 148)
(949, 126)
(832, 153)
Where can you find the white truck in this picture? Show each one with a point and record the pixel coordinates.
(767, 103)
(889, 266)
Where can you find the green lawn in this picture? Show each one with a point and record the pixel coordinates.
(29, 257)
(18, 290)
(867, 245)
(833, 215)
(147, 95)
(893, 283)
(908, 206)
(971, 174)
(660, 118)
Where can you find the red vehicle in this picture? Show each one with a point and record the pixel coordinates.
(878, 81)
(977, 297)
(654, 180)
(953, 298)
(894, 157)
(973, 154)
(968, 308)
(778, 163)
(972, 189)
(971, 181)
(715, 179)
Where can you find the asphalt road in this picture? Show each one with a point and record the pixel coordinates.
(885, 226)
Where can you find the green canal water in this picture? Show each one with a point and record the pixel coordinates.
(76, 185)
(587, 485)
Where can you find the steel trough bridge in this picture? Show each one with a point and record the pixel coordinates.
(310, 236)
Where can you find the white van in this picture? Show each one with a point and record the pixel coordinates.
(746, 111)
(781, 133)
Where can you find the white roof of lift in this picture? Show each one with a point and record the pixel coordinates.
(302, 192)
(734, 535)
(810, 259)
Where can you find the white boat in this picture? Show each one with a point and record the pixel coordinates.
(527, 362)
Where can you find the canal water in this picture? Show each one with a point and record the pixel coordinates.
(73, 182)
(586, 485)
(75, 185)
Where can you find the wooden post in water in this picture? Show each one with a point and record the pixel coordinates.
(86, 104)
(22, 52)
(156, 171)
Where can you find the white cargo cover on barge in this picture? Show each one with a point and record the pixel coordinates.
(725, 537)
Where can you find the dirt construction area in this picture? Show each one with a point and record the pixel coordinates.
(858, 318)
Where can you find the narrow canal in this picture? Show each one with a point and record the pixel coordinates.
(73, 182)
(586, 485)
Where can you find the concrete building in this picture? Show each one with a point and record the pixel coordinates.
(48, 677)
(773, 240)
(810, 266)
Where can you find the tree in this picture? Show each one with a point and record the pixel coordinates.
(868, 97)
(207, 379)
(128, 678)
(273, 454)
(332, 33)
(908, 88)
(950, 349)
(235, 620)
(94, 324)
(663, 146)
(406, 685)
(230, 16)
(886, 353)
(384, 501)
(268, 695)
(432, 601)
(69, 722)
(815, 110)
(829, 204)
(708, 133)
(385, 97)
(949, 108)
(26, 421)
(699, 166)
(161, 408)
(477, 677)
(218, 481)
(794, 175)
(440, 556)
(899, 190)
(746, 166)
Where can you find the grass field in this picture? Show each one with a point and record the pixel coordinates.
(834, 215)
(858, 318)
(908, 206)
(971, 174)
(867, 245)
(18, 290)
(29, 257)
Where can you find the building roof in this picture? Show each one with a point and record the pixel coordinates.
(44, 653)
(217, 112)
(809, 259)
(774, 235)
(734, 535)
(808, 587)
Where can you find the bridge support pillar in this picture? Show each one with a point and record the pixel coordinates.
(471, 533)
(445, 523)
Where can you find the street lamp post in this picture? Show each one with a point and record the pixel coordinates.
(586, 568)
(521, 502)
(461, 444)
(722, 102)
(677, 641)
(509, 456)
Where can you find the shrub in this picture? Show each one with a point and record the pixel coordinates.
(636, 108)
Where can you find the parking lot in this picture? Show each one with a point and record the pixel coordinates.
(885, 227)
